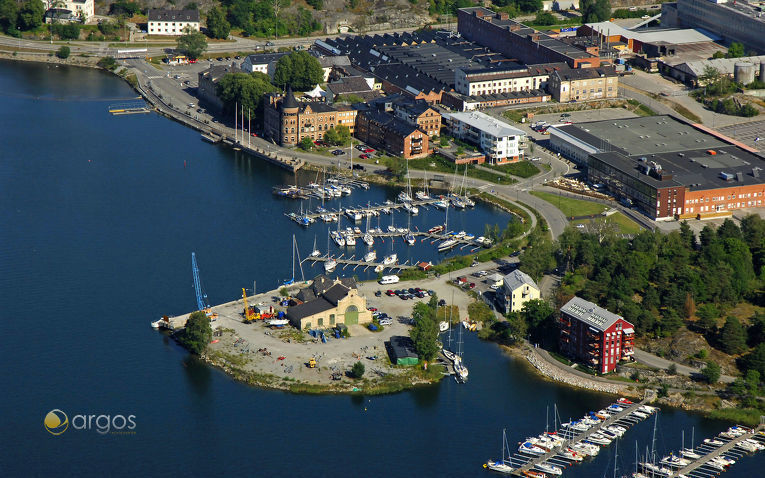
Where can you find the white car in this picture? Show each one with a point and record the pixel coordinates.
(386, 321)
(494, 287)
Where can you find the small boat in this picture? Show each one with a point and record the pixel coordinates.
(370, 256)
(675, 461)
(469, 237)
(330, 265)
(443, 326)
(390, 260)
(357, 230)
(440, 204)
(713, 442)
(724, 460)
(278, 322)
(446, 245)
(413, 210)
(379, 268)
(468, 202)
(460, 370)
(350, 240)
(551, 469)
(385, 210)
(338, 238)
(657, 469)
(392, 229)
(421, 195)
(572, 455)
(501, 466)
(436, 229)
(404, 197)
(688, 453)
(345, 190)
(160, 324)
(368, 239)
(409, 238)
(530, 448)
(534, 474)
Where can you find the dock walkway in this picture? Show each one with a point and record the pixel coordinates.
(574, 438)
(359, 263)
(688, 470)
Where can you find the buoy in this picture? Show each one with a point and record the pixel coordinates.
(184, 163)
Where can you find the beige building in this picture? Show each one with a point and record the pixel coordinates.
(584, 84)
(518, 288)
(338, 304)
(83, 9)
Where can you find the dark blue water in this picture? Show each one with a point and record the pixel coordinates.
(98, 217)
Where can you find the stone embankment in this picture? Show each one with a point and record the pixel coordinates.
(559, 375)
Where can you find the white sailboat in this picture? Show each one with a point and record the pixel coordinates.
(501, 466)
(460, 370)
(370, 256)
(315, 252)
(368, 239)
(391, 259)
(329, 265)
(409, 237)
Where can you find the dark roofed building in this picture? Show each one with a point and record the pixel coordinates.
(208, 83)
(584, 84)
(351, 85)
(401, 351)
(287, 120)
(328, 305)
(383, 130)
(172, 22)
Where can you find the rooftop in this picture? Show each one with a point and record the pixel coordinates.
(349, 84)
(723, 65)
(585, 73)
(591, 314)
(517, 279)
(486, 123)
(265, 58)
(656, 35)
(156, 15)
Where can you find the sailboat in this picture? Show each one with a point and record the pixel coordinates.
(295, 251)
(502, 465)
(316, 252)
(392, 258)
(330, 263)
(409, 237)
(370, 256)
(367, 238)
(460, 370)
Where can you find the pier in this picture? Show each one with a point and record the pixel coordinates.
(700, 467)
(625, 418)
(370, 210)
(136, 107)
(357, 263)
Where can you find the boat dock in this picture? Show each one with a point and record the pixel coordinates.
(136, 107)
(701, 467)
(459, 242)
(358, 263)
(554, 456)
(378, 208)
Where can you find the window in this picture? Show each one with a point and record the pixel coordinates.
(331, 319)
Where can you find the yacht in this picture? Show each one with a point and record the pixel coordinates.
(370, 256)
(338, 238)
(441, 204)
(390, 260)
(551, 469)
(409, 238)
(350, 240)
(329, 265)
(446, 245)
(368, 239)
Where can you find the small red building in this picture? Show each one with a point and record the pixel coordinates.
(595, 336)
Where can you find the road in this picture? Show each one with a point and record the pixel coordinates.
(657, 362)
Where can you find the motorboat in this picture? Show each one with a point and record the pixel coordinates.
(329, 265)
(443, 326)
(530, 448)
(390, 259)
(572, 455)
(687, 453)
(421, 195)
(547, 468)
(446, 245)
(379, 268)
(160, 324)
(713, 442)
(392, 229)
(350, 240)
(675, 461)
(436, 229)
(441, 204)
(585, 448)
(278, 322)
(409, 238)
(368, 239)
(357, 230)
(370, 256)
(413, 210)
(338, 238)
(599, 439)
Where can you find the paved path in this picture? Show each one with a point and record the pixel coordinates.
(657, 362)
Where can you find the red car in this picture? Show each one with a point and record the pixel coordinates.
(364, 156)
(254, 134)
(472, 285)
(389, 293)
(369, 150)
(372, 309)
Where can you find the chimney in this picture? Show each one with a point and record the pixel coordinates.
(740, 177)
(756, 172)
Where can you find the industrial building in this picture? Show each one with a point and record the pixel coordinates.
(737, 20)
(595, 336)
(584, 84)
(690, 72)
(652, 42)
(500, 142)
(665, 167)
(338, 304)
(499, 33)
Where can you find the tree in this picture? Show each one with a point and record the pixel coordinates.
(339, 135)
(595, 10)
(306, 144)
(108, 63)
(755, 360)
(733, 336)
(63, 52)
(299, 69)
(711, 373)
(358, 369)
(192, 44)
(244, 90)
(529, 6)
(672, 369)
(217, 25)
(66, 31)
(736, 50)
(424, 334)
(689, 307)
(544, 18)
(9, 14)
(197, 333)
(31, 14)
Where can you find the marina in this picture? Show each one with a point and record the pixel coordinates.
(552, 452)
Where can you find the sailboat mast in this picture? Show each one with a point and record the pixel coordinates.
(616, 455)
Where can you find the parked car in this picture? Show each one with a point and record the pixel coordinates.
(472, 285)
(338, 152)
(269, 43)
(378, 293)
(386, 321)
(389, 293)
(372, 309)
(358, 166)
(442, 303)
(369, 150)
(364, 156)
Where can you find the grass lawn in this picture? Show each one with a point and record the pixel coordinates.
(521, 169)
(623, 224)
(571, 207)
(441, 164)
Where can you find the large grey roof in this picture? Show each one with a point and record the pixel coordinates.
(309, 308)
(335, 293)
(589, 313)
(157, 15)
(723, 65)
(518, 278)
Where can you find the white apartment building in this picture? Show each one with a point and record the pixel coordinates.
(85, 9)
(500, 142)
(489, 81)
(172, 22)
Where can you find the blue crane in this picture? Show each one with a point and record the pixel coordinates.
(201, 296)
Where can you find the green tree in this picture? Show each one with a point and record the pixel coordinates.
(217, 25)
(306, 144)
(540, 318)
(733, 336)
(529, 6)
(246, 90)
(197, 334)
(31, 14)
(711, 373)
(358, 369)
(338, 135)
(755, 360)
(108, 63)
(595, 10)
(66, 31)
(192, 44)
(9, 14)
(424, 333)
(736, 50)
(63, 52)
(544, 18)
(672, 369)
(299, 69)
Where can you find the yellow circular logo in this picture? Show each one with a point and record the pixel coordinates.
(56, 422)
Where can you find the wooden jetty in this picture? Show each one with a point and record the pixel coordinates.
(577, 437)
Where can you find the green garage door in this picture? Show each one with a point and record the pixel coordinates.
(351, 315)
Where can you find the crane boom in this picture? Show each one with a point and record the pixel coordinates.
(201, 297)
(247, 312)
